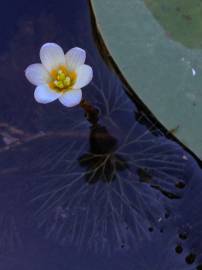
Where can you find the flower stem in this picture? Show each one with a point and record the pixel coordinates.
(91, 112)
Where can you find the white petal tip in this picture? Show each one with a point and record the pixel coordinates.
(71, 98)
(49, 44)
(52, 55)
(75, 57)
(84, 76)
(36, 74)
(43, 94)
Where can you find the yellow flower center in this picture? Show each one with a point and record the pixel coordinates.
(62, 79)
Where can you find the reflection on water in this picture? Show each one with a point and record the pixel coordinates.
(82, 192)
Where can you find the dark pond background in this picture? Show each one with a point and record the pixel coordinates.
(117, 194)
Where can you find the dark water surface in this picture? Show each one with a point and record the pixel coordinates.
(74, 196)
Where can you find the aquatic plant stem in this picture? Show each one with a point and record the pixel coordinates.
(91, 112)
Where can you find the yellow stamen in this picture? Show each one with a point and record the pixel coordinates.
(62, 79)
(59, 84)
(67, 81)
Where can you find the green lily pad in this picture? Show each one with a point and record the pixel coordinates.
(164, 73)
(181, 19)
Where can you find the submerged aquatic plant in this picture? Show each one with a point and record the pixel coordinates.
(111, 186)
(108, 186)
(60, 76)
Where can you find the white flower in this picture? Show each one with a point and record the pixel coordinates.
(60, 76)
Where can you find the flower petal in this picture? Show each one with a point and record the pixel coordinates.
(52, 56)
(71, 98)
(43, 94)
(84, 76)
(75, 58)
(37, 74)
